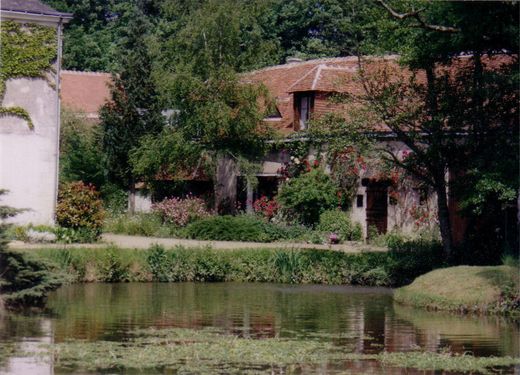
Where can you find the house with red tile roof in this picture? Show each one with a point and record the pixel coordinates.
(300, 91)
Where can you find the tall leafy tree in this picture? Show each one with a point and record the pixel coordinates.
(325, 28)
(208, 35)
(134, 109)
(460, 99)
(217, 124)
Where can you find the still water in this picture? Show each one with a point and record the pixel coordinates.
(366, 319)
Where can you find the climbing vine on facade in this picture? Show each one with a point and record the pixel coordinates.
(27, 50)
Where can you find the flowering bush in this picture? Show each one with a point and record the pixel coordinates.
(266, 207)
(181, 211)
(296, 166)
(79, 207)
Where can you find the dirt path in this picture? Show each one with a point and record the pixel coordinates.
(138, 242)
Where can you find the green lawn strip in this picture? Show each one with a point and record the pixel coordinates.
(211, 351)
(464, 289)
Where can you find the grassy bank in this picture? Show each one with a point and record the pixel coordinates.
(493, 289)
(254, 265)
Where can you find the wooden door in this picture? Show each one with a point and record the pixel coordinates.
(377, 207)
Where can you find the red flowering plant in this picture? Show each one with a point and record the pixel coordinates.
(266, 207)
(347, 167)
(295, 167)
(181, 211)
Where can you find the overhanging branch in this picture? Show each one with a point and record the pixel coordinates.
(416, 15)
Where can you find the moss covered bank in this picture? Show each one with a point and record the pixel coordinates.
(491, 289)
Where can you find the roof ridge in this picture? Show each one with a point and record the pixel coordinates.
(317, 76)
(81, 72)
(320, 60)
(302, 77)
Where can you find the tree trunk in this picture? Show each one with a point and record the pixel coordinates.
(444, 219)
(225, 185)
(131, 198)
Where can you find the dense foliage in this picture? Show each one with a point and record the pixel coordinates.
(240, 228)
(254, 265)
(183, 56)
(24, 281)
(339, 222)
(80, 208)
(306, 197)
(134, 110)
(238, 33)
(81, 156)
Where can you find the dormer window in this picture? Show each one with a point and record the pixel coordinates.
(273, 113)
(304, 105)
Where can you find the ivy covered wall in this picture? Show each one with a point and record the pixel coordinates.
(29, 118)
(28, 51)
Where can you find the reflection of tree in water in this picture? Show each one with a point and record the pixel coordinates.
(16, 325)
(362, 318)
(98, 311)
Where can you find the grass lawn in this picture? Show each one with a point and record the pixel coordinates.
(465, 289)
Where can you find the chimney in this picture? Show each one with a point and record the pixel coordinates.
(292, 59)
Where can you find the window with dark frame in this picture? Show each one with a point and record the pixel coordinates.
(359, 200)
(304, 106)
(423, 196)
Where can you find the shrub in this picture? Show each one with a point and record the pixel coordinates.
(79, 207)
(24, 280)
(111, 267)
(336, 221)
(114, 198)
(242, 228)
(180, 211)
(266, 207)
(305, 197)
(229, 228)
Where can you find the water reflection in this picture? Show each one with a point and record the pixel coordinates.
(24, 334)
(363, 318)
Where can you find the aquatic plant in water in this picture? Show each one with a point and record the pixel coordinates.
(211, 351)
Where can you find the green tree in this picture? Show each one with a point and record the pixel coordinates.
(215, 119)
(307, 196)
(134, 109)
(210, 34)
(452, 109)
(81, 153)
(325, 28)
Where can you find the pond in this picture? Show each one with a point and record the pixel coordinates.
(238, 328)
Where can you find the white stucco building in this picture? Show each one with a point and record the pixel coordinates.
(29, 157)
